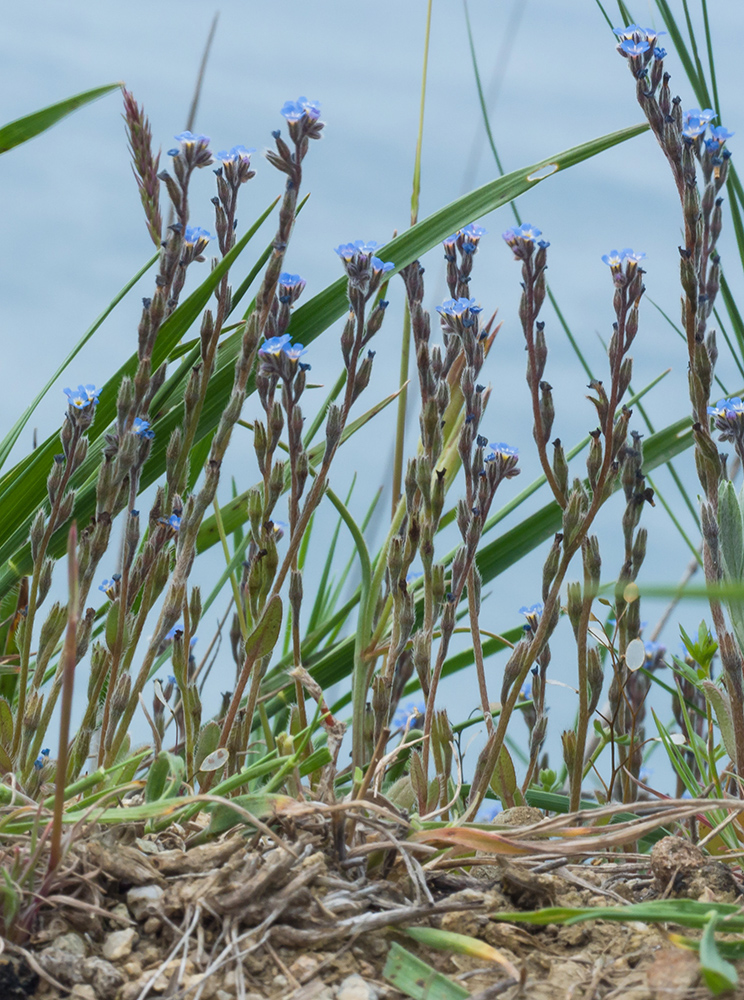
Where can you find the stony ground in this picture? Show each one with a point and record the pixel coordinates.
(284, 917)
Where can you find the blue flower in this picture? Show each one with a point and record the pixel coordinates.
(108, 587)
(172, 634)
(660, 54)
(654, 650)
(174, 521)
(632, 29)
(632, 257)
(294, 110)
(188, 138)
(195, 234)
(84, 395)
(533, 615)
(707, 115)
(347, 251)
(141, 428)
(528, 232)
(473, 232)
(458, 307)
(730, 408)
(294, 351)
(693, 128)
(525, 692)
(633, 49)
(613, 259)
(290, 280)
(274, 345)
(236, 153)
(413, 713)
(506, 450)
(719, 134)
(380, 265)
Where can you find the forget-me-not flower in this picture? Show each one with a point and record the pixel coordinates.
(294, 110)
(142, 429)
(84, 395)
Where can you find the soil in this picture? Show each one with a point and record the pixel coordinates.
(283, 915)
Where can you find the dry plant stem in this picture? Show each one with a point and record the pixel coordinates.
(528, 326)
(478, 653)
(68, 659)
(33, 597)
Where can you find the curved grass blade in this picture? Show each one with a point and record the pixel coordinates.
(23, 129)
(13, 434)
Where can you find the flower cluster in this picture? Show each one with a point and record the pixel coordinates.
(616, 258)
(523, 239)
(466, 240)
(280, 357)
(293, 111)
(364, 268)
(460, 308)
(303, 119)
(290, 288)
(728, 418)
(193, 150)
(635, 41)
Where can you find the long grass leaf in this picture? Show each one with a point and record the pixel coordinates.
(23, 129)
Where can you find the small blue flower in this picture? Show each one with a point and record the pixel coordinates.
(533, 615)
(172, 633)
(84, 395)
(237, 153)
(294, 351)
(473, 232)
(294, 110)
(347, 251)
(274, 345)
(383, 266)
(707, 115)
(613, 259)
(730, 408)
(506, 450)
(660, 54)
(654, 650)
(633, 49)
(413, 713)
(39, 763)
(528, 232)
(629, 32)
(195, 234)
(108, 587)
(290, 280)
(693, 128)
(172, 680)
(525, 692)
(174, 521)
(719, 134)
(631, 256)
(141, 428)
(188, 138)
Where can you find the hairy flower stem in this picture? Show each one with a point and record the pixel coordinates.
(68, 661)
(28, 626)
(478, 652)
(582, 728)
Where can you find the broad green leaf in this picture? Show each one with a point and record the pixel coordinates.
(23, 129)
(463, 944)
(412, 976)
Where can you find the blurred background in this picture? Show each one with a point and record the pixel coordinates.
(74, 231)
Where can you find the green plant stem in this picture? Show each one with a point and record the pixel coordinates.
(233, 582)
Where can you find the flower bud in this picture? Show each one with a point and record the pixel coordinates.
(45, 581)
(560, 466)
(595, 678)
(547, 413)
(573, 606)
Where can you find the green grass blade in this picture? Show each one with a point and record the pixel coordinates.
(23, 129)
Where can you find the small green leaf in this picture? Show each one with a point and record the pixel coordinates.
(504, 779)
(23, 129)
(263, 638)
(209, 740)
(721, 705)
(719, 975)
(416, 979)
